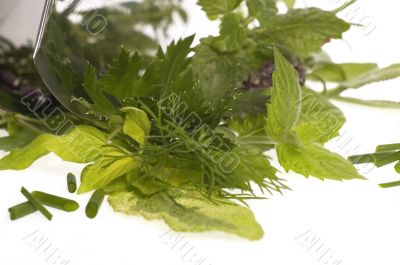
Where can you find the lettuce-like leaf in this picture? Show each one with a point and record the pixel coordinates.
(188, 211)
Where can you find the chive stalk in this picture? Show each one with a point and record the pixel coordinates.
(388, 147)
(95, 203)
(56, 202)
(21, 210)
(36, 203)
(71, 181)
(390, 184)
(379, 159)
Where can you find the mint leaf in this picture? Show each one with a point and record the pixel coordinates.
(80, 146)
(216, 8)
(233, 34)
(136, 124)
(188, 211)
(221, 73)
(284, 109)
(263, 10)
(320, 120)
(314, 160)
(303, 31)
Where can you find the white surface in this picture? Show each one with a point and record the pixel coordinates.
(356, 221)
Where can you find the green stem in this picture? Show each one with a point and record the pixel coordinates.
(95, 203)
(56, 202)
(388, 147)
(36, 203)
(390, 184)
(21, 210)
(71, 181)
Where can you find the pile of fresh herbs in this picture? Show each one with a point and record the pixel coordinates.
(182, 136)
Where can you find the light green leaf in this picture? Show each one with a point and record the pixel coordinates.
(320, 120)
(373, 76)
(289, 3)
(188, 211)
(216, 8)
(303, 31)
(122, 79)
(331, 72)
(233, 34)
(314, 160)
(284, 109)
(263, 10)
(80, 146)
(136, 125)
(101, 106)
(221, 73)
(111, 165)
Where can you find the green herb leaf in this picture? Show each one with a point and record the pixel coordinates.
(373, 76)
(314, 160)
(187, 211)
(101, 105)
(284, 109)
(123, 76)
(112, 164)
(303, 31)
(216, 8)
(331, 72)
(233, 34)
(136, 124)
(320, 120)
(263, 10)
(80, 145)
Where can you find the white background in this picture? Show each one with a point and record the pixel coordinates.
(355, 222)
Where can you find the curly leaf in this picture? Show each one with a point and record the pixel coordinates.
(187, 211)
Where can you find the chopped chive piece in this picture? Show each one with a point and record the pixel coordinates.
(71, 181)
(379, 159)
(388, 147)
(56, 202)
(94, 203)
(36, 203)
(390, 184)
(397, 167)
(21, 210)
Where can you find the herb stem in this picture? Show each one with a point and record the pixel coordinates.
(71, 182)
(95, 203)
(56, 202)
(36, 203)
(21, 210)
(390, 184)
